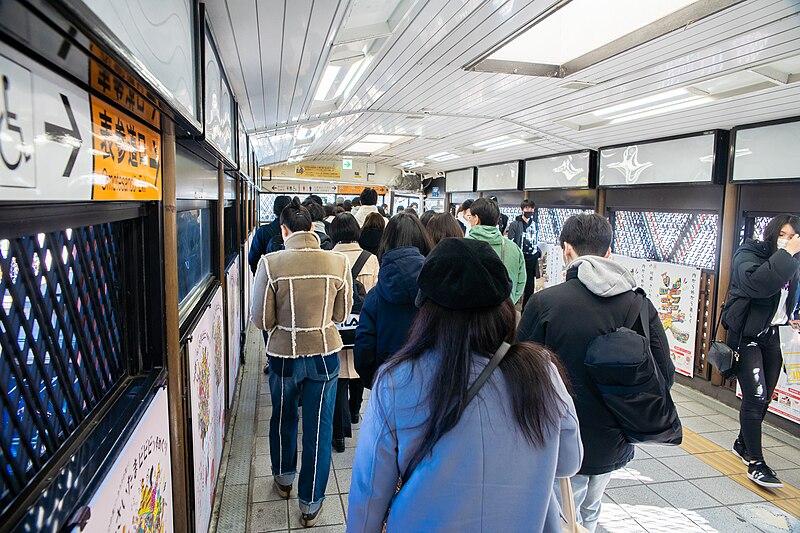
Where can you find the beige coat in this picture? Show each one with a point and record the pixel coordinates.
(369, 278)
(298, 295)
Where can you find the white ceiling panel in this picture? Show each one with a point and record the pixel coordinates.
(276, 51)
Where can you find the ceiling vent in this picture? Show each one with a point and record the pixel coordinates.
(415, 117)
(577, 85)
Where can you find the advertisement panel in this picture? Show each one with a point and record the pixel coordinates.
(234, 325)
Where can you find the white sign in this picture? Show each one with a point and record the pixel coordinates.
(347, 164)
(136, 495)
(282, 188)
(207, 384)
(45, 134)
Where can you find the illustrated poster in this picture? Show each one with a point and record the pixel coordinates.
(136, 495)
(552, 266)
(206, 356)
(234, 326)
(786, 398)
(637, 267)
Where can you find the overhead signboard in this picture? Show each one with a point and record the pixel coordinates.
(358, 189)
(284, 188)
(347, 164)
(767, 153)
(501, 177)
(460, 180)
(684, 160)
(568, 171)
(58, 143)
(219, 103)
(156, 36)
(313, 171)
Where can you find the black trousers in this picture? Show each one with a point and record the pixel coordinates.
(532, 271)
(759, 369)
(344, 407)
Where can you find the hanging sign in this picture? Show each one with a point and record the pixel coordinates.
(323, 188)
(136, 495)
(58, 143)
(347, 164)
(358, 189)
(311, 171)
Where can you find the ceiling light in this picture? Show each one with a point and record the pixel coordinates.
(331, 71)
(504, 141)
(366, 148)
(442, 156)
(381, 138)
(298, 150)
(578, 33)
(691, 102)
(412, 164)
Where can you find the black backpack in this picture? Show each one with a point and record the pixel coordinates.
(627, 377)
(347, 329)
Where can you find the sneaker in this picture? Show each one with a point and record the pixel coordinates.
(266, 368)
(338, 445)
(310, 519)
(740, 451)
(284, 491)
(763, 475)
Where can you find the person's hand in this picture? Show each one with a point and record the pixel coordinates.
(793, 246)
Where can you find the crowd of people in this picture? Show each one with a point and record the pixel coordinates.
(468, 367)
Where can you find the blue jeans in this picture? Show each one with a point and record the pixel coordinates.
(314, 378)
(588, 495)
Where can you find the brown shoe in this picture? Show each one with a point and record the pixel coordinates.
(284, 491)
(310, 519)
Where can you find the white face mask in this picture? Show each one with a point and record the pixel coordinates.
(782, 243)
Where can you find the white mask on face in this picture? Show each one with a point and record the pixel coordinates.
(782, 243)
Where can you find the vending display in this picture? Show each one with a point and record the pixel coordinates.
(680, 238)
(551, 220)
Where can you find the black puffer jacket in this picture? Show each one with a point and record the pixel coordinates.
(756, 283)
(569, 316)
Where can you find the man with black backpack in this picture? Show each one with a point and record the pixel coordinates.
(583, 316)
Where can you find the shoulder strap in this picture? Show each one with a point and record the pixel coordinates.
(483, 377)
(363, 257)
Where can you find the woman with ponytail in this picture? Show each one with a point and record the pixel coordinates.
(468, 457)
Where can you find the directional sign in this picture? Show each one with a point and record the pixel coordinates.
(347, 164)
(57, 143)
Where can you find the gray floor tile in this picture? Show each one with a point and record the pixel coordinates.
(343, 478)
(651, 471)
(726, 491)
(722, 438)
(684, 495)
(700, 424)
(636, 495)
(332, 487)
(777, 462)
(263, 490)
(768, 441)
(262, 429)
(262, 467)
(340, 528)
(268, 516)
(721, 519)
(767, 517)
(701, 409)
(664, 519)
(658, 451)
(690, 467)
(344, 459)
(725, 421)
(345, 502)
(788, 452)
(332, 513)
(623, 478)
(792, 476)
(262, 445)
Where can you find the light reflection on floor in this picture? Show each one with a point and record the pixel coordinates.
(627, 518)
(630, 474)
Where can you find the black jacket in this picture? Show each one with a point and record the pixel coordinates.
(261, 239)
(755, 291)
(566, 318)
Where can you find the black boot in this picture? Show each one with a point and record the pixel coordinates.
(338, 445)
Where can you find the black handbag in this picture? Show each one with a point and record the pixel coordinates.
(724, 358)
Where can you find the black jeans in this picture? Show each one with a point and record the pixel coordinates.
(531, 269)
(341, 412)
(759, 370)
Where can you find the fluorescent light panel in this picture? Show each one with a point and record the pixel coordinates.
(412, 164)
(442, 156)
(366, 147)
(382, 138)
(325, 84)
(504, 141)
(582, 26)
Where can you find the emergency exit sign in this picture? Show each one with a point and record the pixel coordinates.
(347, 164)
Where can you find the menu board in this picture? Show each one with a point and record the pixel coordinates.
(569, 171)
(684, 160)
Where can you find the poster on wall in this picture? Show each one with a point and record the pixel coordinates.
(552, 266)
(786, 398)
(248, 281)
(234, 326)
(136, 495)
(206, 351)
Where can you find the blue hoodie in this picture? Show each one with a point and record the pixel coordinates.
(388, 311)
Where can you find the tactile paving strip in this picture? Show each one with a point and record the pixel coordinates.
(236, 484)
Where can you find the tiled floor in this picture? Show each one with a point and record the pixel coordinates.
(699, 486)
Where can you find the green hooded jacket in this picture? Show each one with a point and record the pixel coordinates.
(511, 256)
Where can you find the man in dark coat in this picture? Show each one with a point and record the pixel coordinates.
(594, 301)
(524, 232)
(266, 232)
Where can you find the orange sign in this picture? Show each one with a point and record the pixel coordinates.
(357, 189)
(127, 156)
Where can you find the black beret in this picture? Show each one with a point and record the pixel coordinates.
(463, 274)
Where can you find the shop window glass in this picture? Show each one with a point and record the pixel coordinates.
(194, 249)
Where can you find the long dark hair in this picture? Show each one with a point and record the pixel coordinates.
(344, 228)
(442, 226)
(773, 229)
(296, 217)
(455, 334)
(404, 230)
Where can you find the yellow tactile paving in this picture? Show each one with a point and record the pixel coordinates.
(724, 461)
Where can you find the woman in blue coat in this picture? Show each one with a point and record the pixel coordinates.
(388, 310)
(483, 465)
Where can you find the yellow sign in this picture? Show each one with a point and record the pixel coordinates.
(127, 156)
(357, 189)
(311, 171)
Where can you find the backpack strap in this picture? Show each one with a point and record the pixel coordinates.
(638, 311)
(359, 264)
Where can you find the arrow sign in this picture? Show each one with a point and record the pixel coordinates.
(62, 135)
